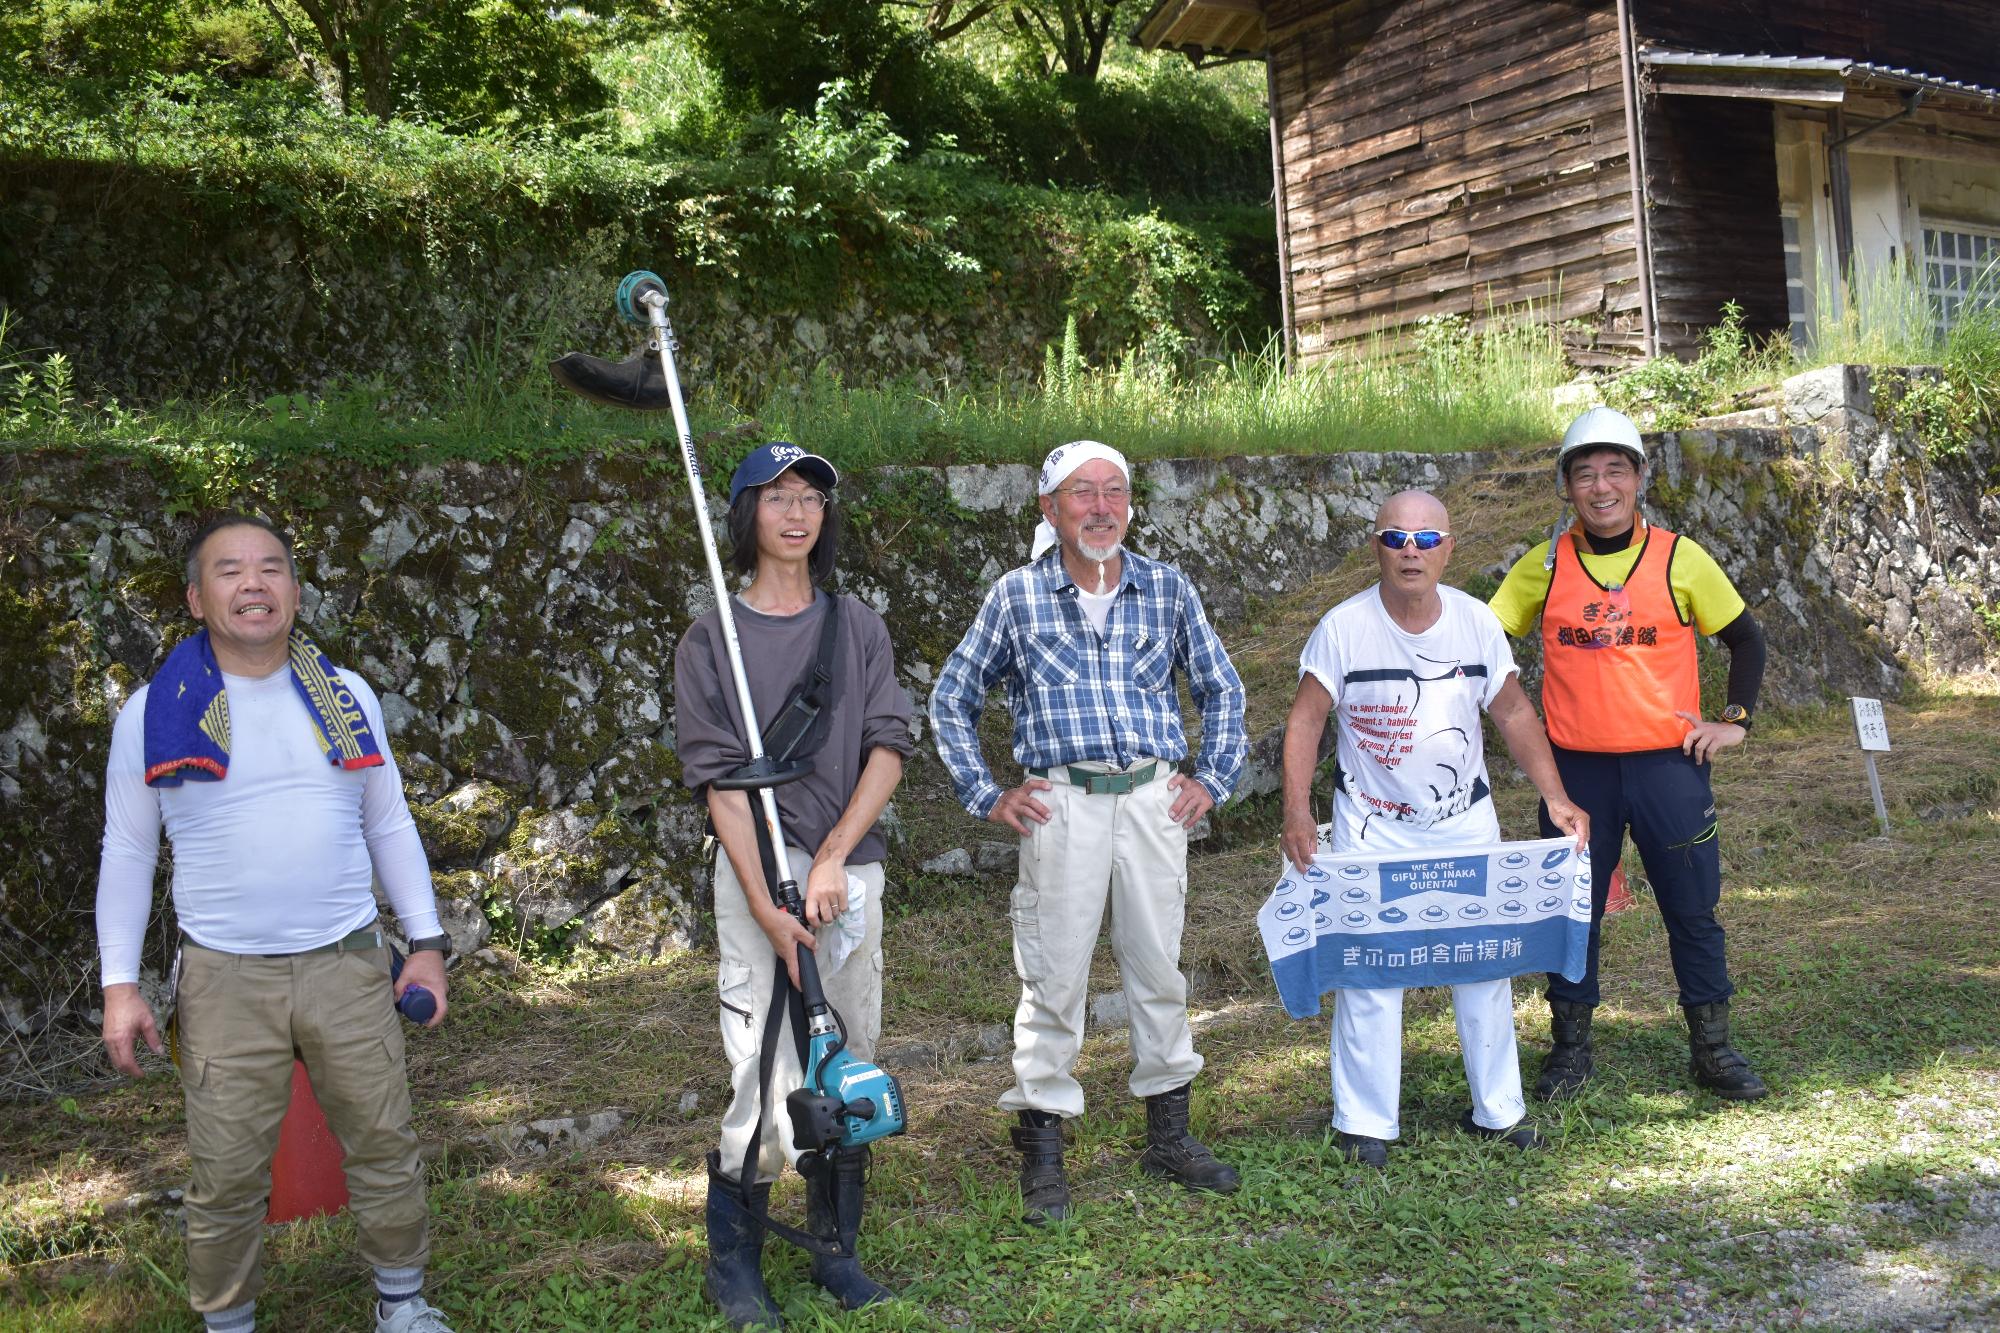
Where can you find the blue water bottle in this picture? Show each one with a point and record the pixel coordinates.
(417, 1004)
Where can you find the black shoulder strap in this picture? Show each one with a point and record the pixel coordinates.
(800, 727)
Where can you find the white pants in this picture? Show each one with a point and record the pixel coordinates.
(749, 965)
(1368, 1057)
(1368, 1024)
(1130, 848)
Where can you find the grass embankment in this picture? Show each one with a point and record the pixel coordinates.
(1461, 392)
(1865, 1192)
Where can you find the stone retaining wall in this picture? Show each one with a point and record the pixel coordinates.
(520, 625)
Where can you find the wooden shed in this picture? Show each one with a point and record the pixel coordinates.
(1466, 157)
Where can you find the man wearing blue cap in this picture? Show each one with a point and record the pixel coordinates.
(784, 530)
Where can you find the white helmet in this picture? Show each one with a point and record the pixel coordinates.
(1596, 429)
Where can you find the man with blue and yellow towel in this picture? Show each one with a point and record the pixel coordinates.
(270, 770)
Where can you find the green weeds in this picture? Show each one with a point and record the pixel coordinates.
(1657, 1206)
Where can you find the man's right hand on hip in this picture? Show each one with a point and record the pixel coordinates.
(1018, 805)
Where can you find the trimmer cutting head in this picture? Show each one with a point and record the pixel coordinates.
(637, 382)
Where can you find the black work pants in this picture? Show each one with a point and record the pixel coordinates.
(1663, 796)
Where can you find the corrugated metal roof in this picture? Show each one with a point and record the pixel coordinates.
(1849, 70)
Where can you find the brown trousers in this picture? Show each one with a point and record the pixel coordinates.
(242, 1020)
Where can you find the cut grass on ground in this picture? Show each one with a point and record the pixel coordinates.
(1864, 1193)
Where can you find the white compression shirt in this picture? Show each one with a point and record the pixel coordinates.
(279, 856)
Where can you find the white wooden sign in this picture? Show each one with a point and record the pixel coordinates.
(1873, 733)
(1869, 726)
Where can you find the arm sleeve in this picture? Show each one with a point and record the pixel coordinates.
(982, 657)
(131, 848)
(886, 722)
(706, 739)
(1320, 658)
(1218, 693)
(393, 843)
(1744, 638)
(1523, 592)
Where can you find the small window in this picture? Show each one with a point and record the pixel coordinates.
(1961, 270)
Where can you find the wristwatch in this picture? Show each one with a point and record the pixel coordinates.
(440, 943)
(1736, 713)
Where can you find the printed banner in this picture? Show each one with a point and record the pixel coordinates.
(1433, 917)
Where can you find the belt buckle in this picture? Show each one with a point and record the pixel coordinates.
(1109, 784)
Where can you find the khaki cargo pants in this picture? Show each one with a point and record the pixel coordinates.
(744, 979)
(1127, 849)
(242, 1019)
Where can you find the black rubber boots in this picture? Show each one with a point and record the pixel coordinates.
(836, 1183)
(735, 1279)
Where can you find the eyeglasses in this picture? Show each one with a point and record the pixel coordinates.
(1117, 495)
(782, 501)
(1425, 539)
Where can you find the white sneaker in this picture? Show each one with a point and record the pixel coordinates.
(415, 1315)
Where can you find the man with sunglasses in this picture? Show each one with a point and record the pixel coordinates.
(1087, 638)
(1406, 667)
(1621, 601)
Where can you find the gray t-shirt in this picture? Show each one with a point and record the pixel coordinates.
(868, 709)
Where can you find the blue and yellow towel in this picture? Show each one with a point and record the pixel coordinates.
(187, 714)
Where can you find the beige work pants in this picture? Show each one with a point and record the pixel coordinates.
(749, 965)
(1131, 848)
(242, 1019)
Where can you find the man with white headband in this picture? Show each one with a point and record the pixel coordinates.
(1086, 638)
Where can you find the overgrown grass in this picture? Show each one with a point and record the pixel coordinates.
(1882, 317)
(1460, 392)
(1878, 1154)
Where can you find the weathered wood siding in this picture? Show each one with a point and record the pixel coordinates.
(1452, 158)
(1712, 207)
(1955, 39)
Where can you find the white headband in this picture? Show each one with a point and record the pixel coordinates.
(1063, 460)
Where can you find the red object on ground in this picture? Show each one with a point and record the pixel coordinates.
(306, 1179)
(1616, 899)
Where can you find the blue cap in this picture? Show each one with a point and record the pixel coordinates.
(768, 461)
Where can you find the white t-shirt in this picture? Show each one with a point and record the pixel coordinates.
(1097, 607)
(278, 857)
(1406, 711)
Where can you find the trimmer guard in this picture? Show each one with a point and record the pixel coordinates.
(637, 382)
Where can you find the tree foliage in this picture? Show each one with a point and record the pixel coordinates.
(458, 62)
(1071, 34)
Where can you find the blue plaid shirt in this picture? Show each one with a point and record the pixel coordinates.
(1075, 696)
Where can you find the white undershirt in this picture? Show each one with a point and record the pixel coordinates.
(1096, 607)
(279, 856)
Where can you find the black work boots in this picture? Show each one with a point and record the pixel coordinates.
(1712, 1061)
(1044, 1188)
(1171, 1153)
(1174, 1154)
(1569, 1063)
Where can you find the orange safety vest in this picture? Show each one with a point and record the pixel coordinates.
(1617, 662)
